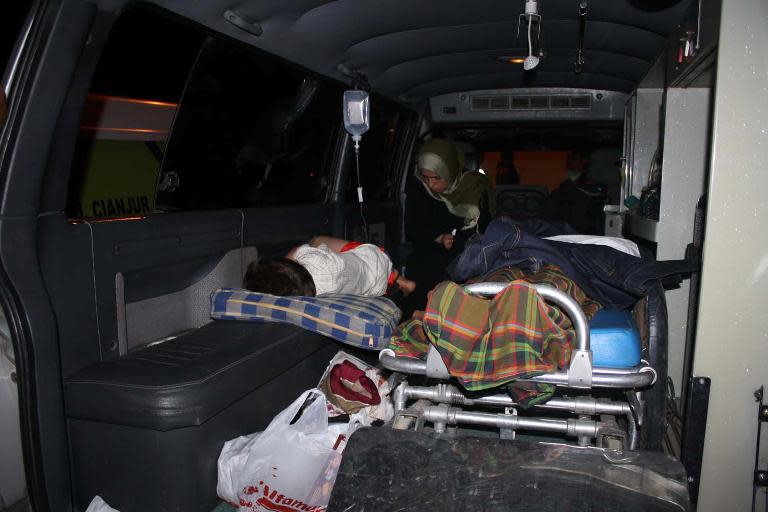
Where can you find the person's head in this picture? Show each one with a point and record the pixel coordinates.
(576, 161)
(440, 165)
(575, 164)
(279, 276)
(506, 172)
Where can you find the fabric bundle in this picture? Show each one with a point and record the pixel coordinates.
(355, 388)
(487, 343)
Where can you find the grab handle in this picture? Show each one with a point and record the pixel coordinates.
(550, 294)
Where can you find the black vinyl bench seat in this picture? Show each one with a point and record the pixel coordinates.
(187, 380)
(157, 418)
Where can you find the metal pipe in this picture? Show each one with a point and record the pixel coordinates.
(405, 365)
(633, 436)
(443, 393)
(642, 377)
(454, 416)
(602, 377)
(549, 294)
(584, 440)
(580, 40)
(400, 397)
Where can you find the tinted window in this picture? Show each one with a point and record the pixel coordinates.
(251, 131)
(378, 169)
(11, 23)
(128, 115)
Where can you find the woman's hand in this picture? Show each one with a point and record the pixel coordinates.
(446, 240)
(406, 285)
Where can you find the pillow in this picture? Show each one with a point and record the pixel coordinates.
(366, 322)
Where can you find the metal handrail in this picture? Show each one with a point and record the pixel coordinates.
(604, 377)
(619, 378)
(550, 294)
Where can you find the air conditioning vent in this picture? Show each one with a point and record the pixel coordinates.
(584, 101)
(540, 102)
(480, 103)
(513, 102)
(500, 103)
(520, 102)
(490, 103)
(572, 102)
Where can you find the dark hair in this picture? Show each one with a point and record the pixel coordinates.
(279, 276)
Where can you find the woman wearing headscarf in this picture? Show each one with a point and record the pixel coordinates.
(444, 207)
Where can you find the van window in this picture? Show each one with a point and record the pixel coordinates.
(128, 115)
(251, 131)
(378, 152)
(11, 33)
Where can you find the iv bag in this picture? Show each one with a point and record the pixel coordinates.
(356, 113)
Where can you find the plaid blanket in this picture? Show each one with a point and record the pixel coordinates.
(486, 343)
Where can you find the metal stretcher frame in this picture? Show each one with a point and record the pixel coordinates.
(580, 374)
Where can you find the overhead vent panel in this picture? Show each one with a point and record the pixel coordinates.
(520, 102)
(529, 104)
(560, 102)
(480, 103)
(581, 101)
(539, 101)
(490, 102)
(499, 102)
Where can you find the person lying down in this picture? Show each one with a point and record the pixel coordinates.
(328, 265)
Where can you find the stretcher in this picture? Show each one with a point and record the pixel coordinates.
(582, 408)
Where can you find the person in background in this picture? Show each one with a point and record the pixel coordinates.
(506, 171)
(578, 200)
(445, 206)
(576, 164)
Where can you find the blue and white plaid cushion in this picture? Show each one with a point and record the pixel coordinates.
(366, 322)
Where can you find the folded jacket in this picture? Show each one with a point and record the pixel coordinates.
(614, 279)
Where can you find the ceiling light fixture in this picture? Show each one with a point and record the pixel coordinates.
(530, 17)
(511, 59)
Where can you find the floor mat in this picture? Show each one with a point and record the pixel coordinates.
(224, 507)
(478, 474)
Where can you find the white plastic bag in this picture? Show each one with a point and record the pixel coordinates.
(99, 505)
(286, 467)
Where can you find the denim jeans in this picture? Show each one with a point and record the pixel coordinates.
(614, 279)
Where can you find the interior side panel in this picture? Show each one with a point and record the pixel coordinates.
(155, 318)
(157, 256)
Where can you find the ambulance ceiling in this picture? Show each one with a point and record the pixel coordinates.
(415, 49)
